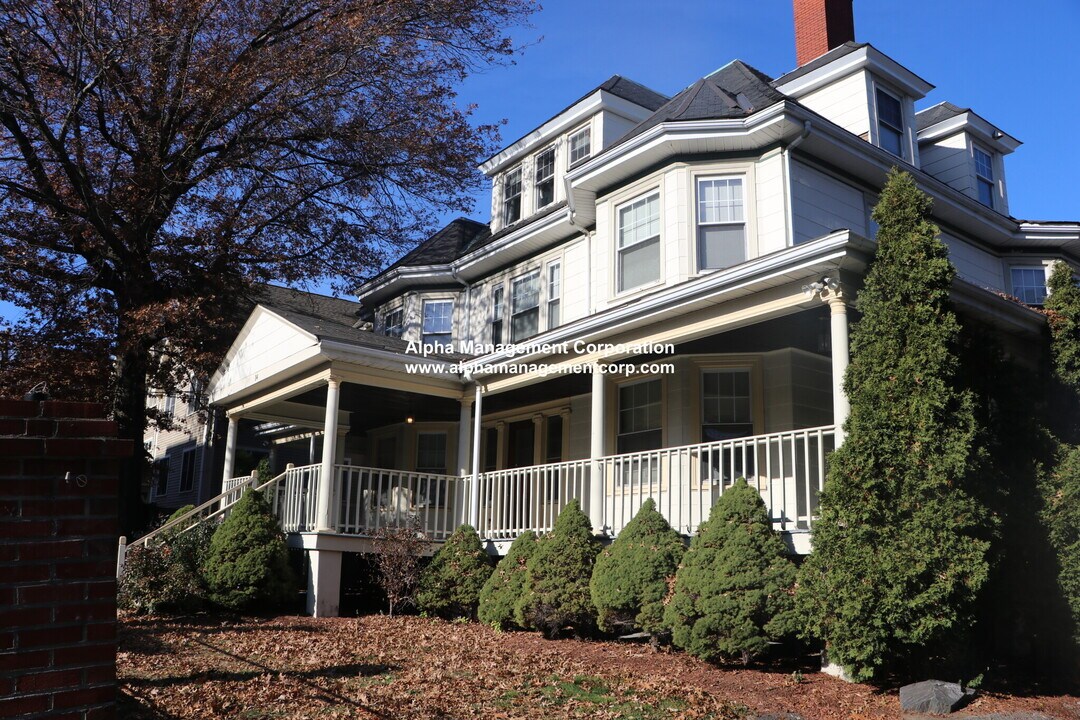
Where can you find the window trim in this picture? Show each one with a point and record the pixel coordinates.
(553, 300)
(386, 327)
(619, 290)
(731, 369)
(755, 363)
(697, 179)
(498, 312)
(506, 199)
(585, 129)
(905, 152)
(537, 180)
(423, 313)
(539, 301)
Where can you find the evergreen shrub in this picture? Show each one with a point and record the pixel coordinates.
(450, 585)
(504, 588)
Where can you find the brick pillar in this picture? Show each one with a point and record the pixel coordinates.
(59, 475)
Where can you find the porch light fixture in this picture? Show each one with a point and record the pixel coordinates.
(819, 286)
(409, 420)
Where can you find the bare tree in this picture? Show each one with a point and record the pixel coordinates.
(397, 562)
(156, 156)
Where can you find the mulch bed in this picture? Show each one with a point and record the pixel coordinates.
(410, 667)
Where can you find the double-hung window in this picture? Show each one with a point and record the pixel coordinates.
(545, 178)
(525, 306)
(512, 197)
(639, 242)
(640, 429)
(170, 404)
(431, 459)
(721, 223)
(393, 323)
(187, 471)
(554, 294)
(1029, 284)
(438, 323)
(726, 413)
(984, 176)
(580, 146)
(497, 315)
(890, 116)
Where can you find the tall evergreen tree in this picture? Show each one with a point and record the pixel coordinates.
(503, 590)
(900, 549)
(630, 581)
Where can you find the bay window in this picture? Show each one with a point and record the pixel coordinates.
(438, 323)
(638, 241)
(721, 223)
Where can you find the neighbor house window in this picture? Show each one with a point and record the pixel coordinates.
(554, 294)
(438, 323)
(431, 458)
(984, 176)
(187, 471)
(890, 123)
(639, 417)
(721, 223)
(545, 178)
(580, 146)
(725, 405)
(394, 323)
(639, 242)
(170, 404)
(161, 470)
(497, 315)
(1029, 284)
(512, 197)
(525, 306)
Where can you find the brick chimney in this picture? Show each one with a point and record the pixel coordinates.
(821, 25)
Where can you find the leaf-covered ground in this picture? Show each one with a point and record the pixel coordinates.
(409, 667)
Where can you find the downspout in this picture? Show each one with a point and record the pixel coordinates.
(572, 218)
(785, 153)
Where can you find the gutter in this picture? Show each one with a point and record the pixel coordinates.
(786, 168)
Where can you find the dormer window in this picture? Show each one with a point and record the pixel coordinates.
(984, 175)
(393, 323)
(545, 178)
(580, 146)
(890, 116)
(512, 197)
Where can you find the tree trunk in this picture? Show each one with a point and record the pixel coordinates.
(129, 411)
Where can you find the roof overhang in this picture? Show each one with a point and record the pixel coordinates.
(865, 58)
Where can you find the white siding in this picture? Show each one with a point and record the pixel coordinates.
(614, 127)
(580, 424)
(845, 102)
(974, 264)
(949, 160)
(769, 181)
(821, 204)
(575, 302)
(269, 344)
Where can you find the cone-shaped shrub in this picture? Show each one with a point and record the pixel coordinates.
(248, 565)
(450, 586)
(503, 590)
(733, 591)
(557, 576)
(900, 550)
(632, 575)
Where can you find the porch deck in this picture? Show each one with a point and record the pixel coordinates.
(787, 468)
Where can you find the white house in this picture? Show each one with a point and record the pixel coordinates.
(713, 240)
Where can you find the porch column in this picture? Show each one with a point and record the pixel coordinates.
(538, 439)
(230, 449)
(840, 359)
(596, 452)
(474, 486)
(324, 583)
(324, 502)
(465, 437)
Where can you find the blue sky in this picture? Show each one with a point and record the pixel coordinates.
(1013, 63)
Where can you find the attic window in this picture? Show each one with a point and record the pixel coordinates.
(984, 176)
(545, 178)
(393, 323)
(512, 197)
(890, 123)
(580, 146)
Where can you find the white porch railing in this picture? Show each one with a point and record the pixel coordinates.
(529, 498)
(787, 468)
(295, 496)
(368, 499)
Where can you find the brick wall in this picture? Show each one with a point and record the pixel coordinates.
(58, 559)
(821, 25)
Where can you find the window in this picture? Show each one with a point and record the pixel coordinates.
(545, 178)
(394, 323)
(512, 197)
(554, 444)
(161, 473)
(554, 294)
(497, 315)
(438, 320)
(639, 417)
(725, 405)
(170, 404)
(525, 306)
(579, 146)
(1029, 284)
(639, 243)
(187, 471)
(984, 176)
(431, 458)
(721, 223)
(491, 451)
(890, 123)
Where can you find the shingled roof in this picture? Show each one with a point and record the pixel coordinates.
(734, 91)
(445, 245)
(938, 113)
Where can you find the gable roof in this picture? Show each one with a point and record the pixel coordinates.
(734, 91)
